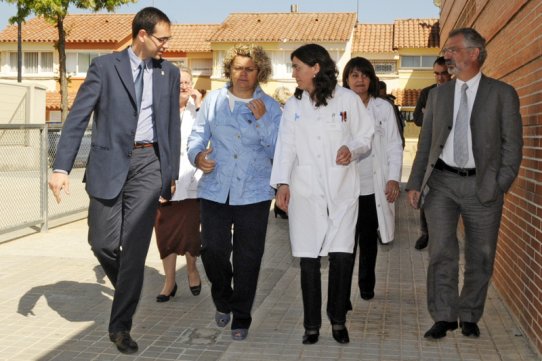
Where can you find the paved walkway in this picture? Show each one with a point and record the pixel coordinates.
(55, 303)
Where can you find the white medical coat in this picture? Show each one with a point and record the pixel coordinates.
(323, 203)
(386, 159)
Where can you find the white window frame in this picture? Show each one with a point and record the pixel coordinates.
(201, 67)
(383, 63)
(74, 65)
(423, 61)
(40, 69)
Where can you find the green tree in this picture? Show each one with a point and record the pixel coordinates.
(55, 11)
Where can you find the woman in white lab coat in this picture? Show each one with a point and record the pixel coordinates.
(324, 129)
(380, 172)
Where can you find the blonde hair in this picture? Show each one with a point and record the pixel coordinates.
(254, 52)
(282, 94)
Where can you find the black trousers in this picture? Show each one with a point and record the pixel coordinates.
(248, 223)
(338, 304)
(367, 239)
(120, 231)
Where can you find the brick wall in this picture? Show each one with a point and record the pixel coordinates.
(513, 29)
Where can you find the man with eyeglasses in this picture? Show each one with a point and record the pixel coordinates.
(440, 71)
(134, 158)
(468, 155)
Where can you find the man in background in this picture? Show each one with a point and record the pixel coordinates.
(440, 70)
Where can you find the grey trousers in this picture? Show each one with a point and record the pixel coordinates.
(120, 231)
(449, 197)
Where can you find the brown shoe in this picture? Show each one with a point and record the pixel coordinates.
(124, 342)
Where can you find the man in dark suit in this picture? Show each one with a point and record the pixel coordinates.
(468, 155)
(134, 157)
(440, 70)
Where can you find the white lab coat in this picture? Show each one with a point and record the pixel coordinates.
(385, 160)
(323, 195)
(186, 187)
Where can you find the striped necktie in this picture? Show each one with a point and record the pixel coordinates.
(461, 152)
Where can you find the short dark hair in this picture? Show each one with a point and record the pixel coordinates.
(472, 39)
(326, 79)
(382, 86)
(146, 19)
(366, 68)
(440, 61)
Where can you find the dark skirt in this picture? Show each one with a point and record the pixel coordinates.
(177, 228)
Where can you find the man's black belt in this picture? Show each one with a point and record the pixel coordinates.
(143, 145)
(463, 172)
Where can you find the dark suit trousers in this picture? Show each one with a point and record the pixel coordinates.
(449, 197)
(120, 231)
(249, 226)
(338, 291)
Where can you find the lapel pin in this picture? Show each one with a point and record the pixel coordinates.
(162, 72)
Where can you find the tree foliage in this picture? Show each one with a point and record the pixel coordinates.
(54, 12)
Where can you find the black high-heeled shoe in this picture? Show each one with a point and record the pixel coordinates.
(195, 289)
(165, 298)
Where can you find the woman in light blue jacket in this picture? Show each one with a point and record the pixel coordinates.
(233, 142)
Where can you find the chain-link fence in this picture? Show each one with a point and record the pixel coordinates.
(27, 153)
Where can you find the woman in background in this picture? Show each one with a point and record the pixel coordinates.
(380, 172)
(324, 129)
(177, 221)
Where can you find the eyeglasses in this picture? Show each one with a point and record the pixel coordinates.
(163, 39)
(441, 73)
(239, 69)
(455, 50)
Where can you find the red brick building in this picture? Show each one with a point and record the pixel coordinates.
(513, 30)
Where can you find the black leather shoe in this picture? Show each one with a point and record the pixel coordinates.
(310, 337)
(421, 243)
(195, 289)
(340, 335)
(470, 329)
(367, 295)
(165, 298)
(123, 341)
(439, 329)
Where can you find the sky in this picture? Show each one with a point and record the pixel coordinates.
(216, 11)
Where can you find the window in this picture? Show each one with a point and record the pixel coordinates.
(201, 67)
(30, 63)
(417, 61)
(46, 63)
(78, 63)
(33, 62)
(13, 62)
(384, 67)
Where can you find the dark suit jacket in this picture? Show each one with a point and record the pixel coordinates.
(109, 92)
(420, 105)
(496, 137)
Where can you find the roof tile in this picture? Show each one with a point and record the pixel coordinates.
(273, 27)
(373, 38)
(416, 33)
(192, 37)
(88, 28)
(406, 97)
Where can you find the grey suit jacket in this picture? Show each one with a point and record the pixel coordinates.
(496, 137)
(109, 92)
